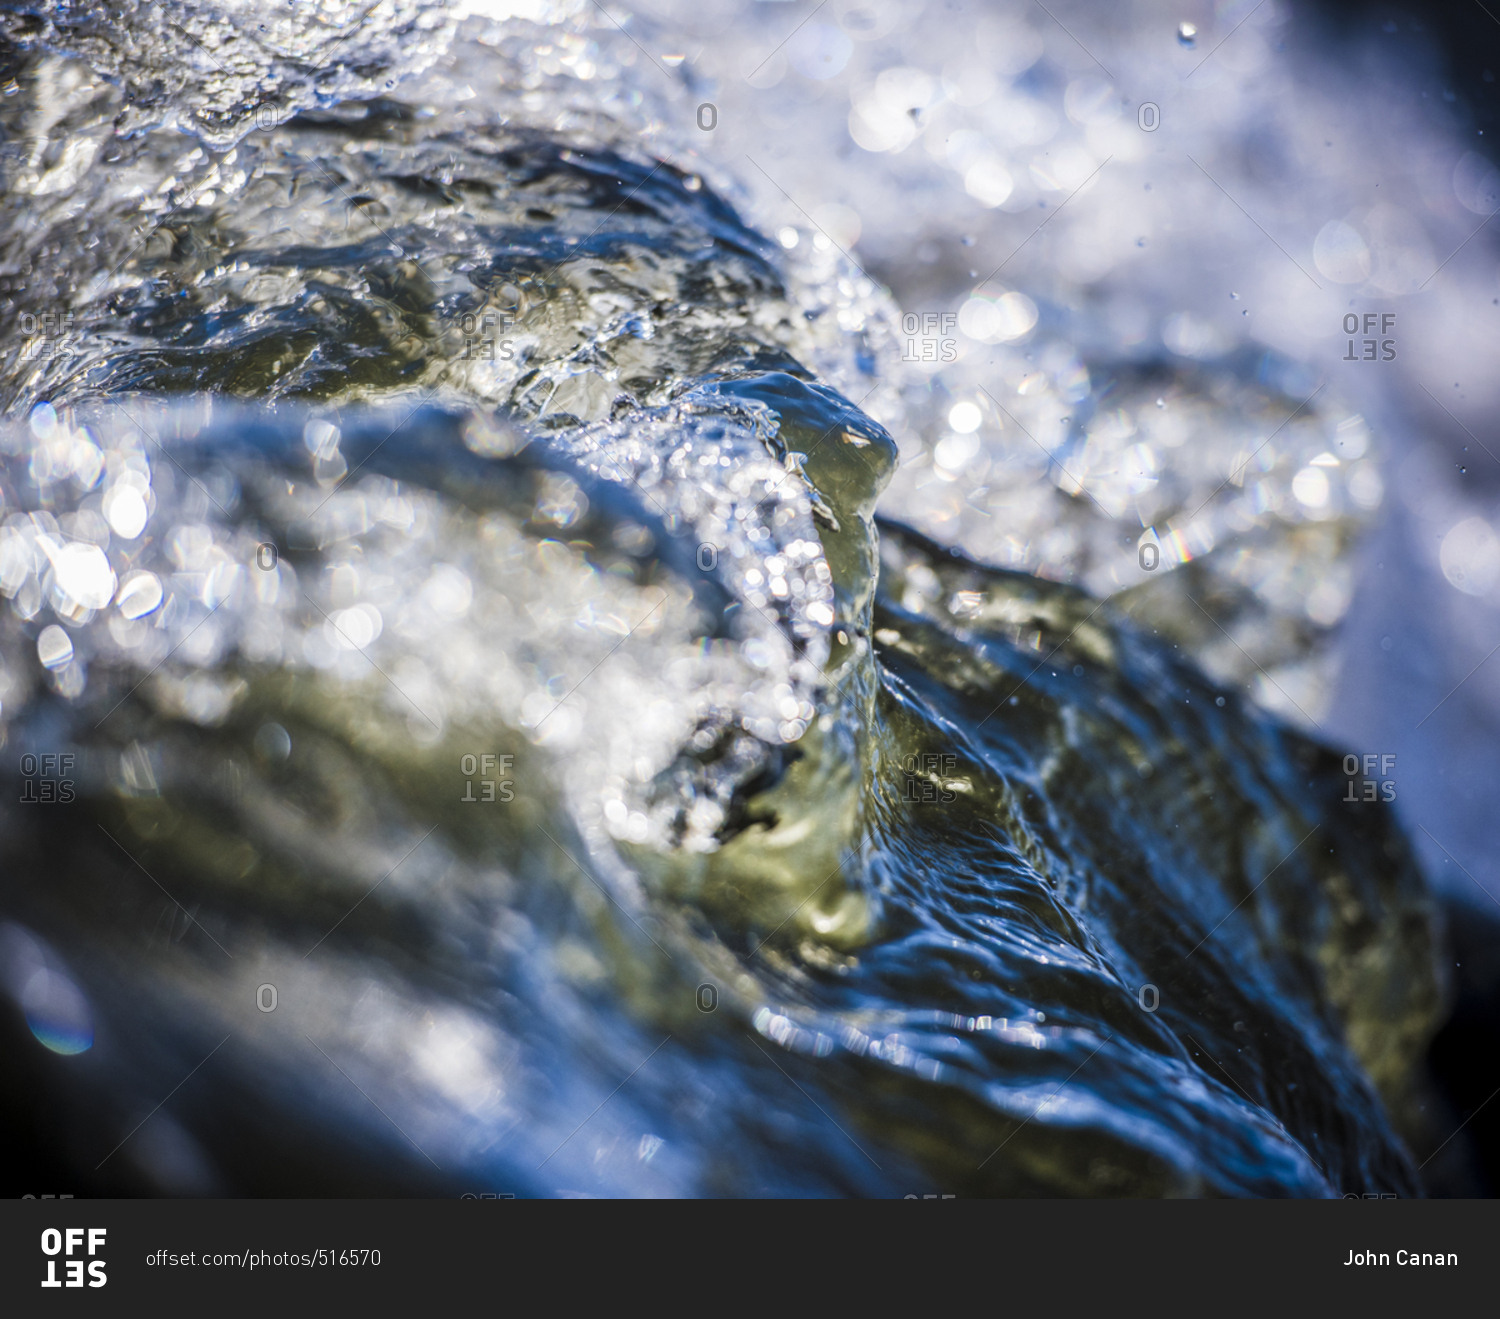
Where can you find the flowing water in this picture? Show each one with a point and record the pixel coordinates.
(466, 722)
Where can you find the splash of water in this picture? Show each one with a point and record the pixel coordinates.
(448, 554)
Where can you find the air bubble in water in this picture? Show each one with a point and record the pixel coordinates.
(1187, 35)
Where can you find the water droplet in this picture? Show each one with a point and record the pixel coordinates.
(1234, 297)
(58, 1013)
(43, 421)
(139, 595)
(54, 647)
(967, 240)
(125, 510)
(1187, 35)
(1161, 402)
(273, 742)
(81, 573)
(1140, 242)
